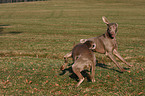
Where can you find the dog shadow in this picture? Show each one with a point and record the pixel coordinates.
(85, 74)
(107, 67)
(2, 27)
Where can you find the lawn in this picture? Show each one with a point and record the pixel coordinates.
(34, 37)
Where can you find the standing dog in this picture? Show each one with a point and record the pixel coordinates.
(105, 44)
(84, 58)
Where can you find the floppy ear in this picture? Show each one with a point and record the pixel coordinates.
(83, 40)
(116, 24)
(105, 20)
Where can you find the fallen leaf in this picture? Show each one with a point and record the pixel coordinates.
(30, 82)
(37, 84)
(117, 79)
(6, 82)
(26, 80)
(20, 76)
(115, 93)
(128, 71)
(56, 84)
(140, 93)
(130, 81)
(46, 81)
(46, 76)
(108, 76)
(86, 95)
(58, 93)
(35, 89)
(142, 69)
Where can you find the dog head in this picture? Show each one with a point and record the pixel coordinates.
(111, 28)
(90, 44)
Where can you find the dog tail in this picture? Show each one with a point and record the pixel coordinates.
(74, 44)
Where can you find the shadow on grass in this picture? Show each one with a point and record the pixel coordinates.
(1, 29)
(12, 32)
(74, 76)
(106, 67)
(85, 72)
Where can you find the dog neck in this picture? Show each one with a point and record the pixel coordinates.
(109, 35)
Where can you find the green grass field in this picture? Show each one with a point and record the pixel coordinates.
(34, 37)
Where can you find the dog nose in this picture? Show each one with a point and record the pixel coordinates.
(112, 32)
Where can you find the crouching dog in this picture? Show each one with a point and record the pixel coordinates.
(84, 58)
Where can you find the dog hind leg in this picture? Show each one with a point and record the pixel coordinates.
(77, 71)
(65, 60)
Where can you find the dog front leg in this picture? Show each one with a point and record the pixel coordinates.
(109, 54)
(118, 55)
(93, 69)
(93, 73)
(65, 60)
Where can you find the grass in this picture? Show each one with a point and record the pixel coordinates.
(34, 37)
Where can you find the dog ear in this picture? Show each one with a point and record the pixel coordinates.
(83, 40)
(105, 20)
(74, 44)
(116, 24)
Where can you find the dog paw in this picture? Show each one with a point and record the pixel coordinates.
(62, 68)
(123, 70)
(93, 80)
(130, 65)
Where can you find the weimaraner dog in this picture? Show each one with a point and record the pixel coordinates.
(84, 58)
(105, 44)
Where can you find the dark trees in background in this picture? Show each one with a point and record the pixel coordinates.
(14, 1)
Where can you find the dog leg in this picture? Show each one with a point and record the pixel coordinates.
(81, 80)
(93, 69)
(109, 54)
(78, 73)
(65, 60)
(118, 55)
(93, 74)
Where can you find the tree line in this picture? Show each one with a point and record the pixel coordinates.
(13, 1)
